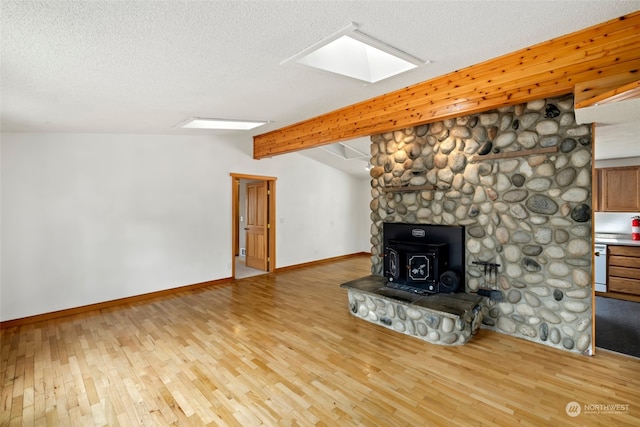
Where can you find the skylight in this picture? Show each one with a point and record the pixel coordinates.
(344, 151)
(221, 124)
(351, 53)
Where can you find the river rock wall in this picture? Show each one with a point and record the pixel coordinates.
(530, 213)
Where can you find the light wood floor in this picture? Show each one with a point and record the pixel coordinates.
(283, 349)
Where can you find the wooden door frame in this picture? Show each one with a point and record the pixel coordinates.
(271, 218)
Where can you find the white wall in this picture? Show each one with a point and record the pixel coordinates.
(613, 222)
(88, 218)
(321, 232)
(616, 163)
(365, 215)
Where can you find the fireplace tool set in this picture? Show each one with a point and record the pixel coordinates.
(490, 281)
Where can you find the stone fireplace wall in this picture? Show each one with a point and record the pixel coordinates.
(531, 213)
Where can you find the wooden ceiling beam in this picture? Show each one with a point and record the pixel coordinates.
(615, 94)
(589, 63)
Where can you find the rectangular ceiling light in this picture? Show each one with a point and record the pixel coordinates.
(221, 124)
(357, 55)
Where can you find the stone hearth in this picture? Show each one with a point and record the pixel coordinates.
(446, 319)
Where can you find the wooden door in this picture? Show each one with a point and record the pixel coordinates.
(256, 229)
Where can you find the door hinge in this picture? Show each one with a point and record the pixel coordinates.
(268, 225)
(268, 259)
(268, 192)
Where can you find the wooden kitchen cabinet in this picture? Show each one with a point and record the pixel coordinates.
(618, 189)
(624, 269)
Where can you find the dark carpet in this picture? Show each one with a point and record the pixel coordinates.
(618, 325)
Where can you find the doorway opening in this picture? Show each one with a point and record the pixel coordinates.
(253, 223)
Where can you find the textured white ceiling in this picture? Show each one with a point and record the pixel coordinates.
(145, 66)
(617, 133)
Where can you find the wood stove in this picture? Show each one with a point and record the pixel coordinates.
(415, 265)
(423, 258)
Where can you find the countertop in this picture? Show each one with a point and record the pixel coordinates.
(616, 239)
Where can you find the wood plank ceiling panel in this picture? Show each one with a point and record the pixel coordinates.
(589, 62)
(617, 94)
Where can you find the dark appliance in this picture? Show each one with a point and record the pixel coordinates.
(423, 258)
(415, 265)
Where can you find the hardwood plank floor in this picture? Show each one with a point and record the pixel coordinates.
(282, 349)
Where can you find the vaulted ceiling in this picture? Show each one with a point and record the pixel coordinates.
(144, 67)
